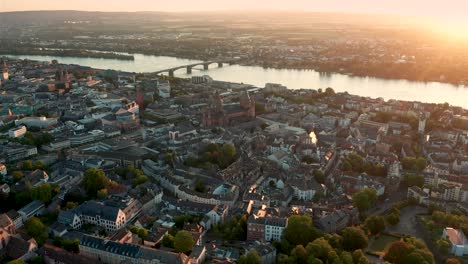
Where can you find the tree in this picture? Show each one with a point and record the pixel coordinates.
(443, 245)
(17, 175)
(319, 176)
(168, 241)
(200, 186)
(27, 165)
(39, 165)
(320, 248)
(16, 261)
(410, 180)
(94, 180)
(140, 180)
(375, 224)
(300, 230)
(309, 159)
(183, 241)
(364, 199)
(142, 233)
(360, 258)
(452, 261)
(72, 246)
(35, 228)
(397, 252)
(37, 260)
(346, 257)
(411, 250)
(252, 257)
(329, 91)
(393, 218)
(354, 238)
(411, 163)
(419, 256)
(71, 205)
(102, 194)
(42, 192)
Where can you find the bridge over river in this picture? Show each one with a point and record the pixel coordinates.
(205, 65)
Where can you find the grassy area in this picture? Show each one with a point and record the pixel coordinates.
(380, 243)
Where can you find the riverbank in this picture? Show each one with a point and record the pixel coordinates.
(67, 53)
(430, 92)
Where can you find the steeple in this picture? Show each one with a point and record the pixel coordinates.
(244, 99)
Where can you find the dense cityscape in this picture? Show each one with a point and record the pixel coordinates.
(108, 166)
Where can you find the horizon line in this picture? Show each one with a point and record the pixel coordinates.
(261, 10)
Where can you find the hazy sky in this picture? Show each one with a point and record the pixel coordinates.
(447, 9)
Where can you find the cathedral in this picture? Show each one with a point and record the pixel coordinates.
(218, 114)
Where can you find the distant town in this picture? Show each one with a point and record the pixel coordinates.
(103, 166)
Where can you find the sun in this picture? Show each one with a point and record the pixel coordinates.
(453, 29)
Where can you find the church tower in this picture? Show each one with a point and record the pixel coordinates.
(422, 124)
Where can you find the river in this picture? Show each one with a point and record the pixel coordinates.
(431, 92)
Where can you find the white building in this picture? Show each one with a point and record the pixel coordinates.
(41, 122)
(17, 132)
(3, 169)
(458, 241)
(92, 212)
(164, 89)
(274, 228)
(418, 194)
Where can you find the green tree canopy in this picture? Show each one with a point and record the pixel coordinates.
(35, 228)
(95, 180)
(354, 238)
(300, 230)
(168, 241)
(410, 179)
(375, 224)
(319, 176)
(183, 241)
(408, 251)
(27, 165)
(251, 257)
(364, 199)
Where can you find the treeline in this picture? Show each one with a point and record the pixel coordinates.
(303, 243)
(213, 154)
(355, 163)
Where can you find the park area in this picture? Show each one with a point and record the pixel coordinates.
(378, 244)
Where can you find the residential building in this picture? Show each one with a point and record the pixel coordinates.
(459, 243)
(17, 132)
(92, 212)
(418, 194)
(32, 209)
(268, 228)
(41, 122)
(110, 252)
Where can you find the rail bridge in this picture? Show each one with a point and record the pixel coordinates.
(205, 64)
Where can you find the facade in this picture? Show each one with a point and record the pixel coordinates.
(17, 152)
(96, 213)
(41, 122)
(266, 228)
(164, 89)
(3, 169)
(458, 241)
(217, 215)
(34, 208)
(337, 220)
(57, 145)
(17, 132)
(218, 114)
(110, 252)
(418, 194)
